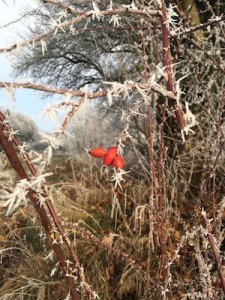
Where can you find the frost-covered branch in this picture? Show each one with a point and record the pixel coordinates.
(75, 20)
(167, 63)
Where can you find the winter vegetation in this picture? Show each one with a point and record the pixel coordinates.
(141, 84)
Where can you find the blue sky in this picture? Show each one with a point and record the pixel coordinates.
(27, 101)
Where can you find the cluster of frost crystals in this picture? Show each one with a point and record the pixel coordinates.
(172, 18)
(118, 89)
(96, 13)
(117, 177)
(18, 196)
(115, 19)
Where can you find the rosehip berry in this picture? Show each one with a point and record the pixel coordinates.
(112, 150)
(109, 156)
(119, 162)
(97, 152)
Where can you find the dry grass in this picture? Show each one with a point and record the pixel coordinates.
(117, 237)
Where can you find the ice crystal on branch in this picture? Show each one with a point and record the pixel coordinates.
(172, 18)
(117, 178)
(117, 89)
(17, 198)
(115, 19)
(36, 183)
(130, 6)
(43, 47)
(96, 13)
(19, 195)
(12, 134)
(23, 148)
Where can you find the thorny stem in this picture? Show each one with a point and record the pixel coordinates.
(82, 16)
(49, 205)
(18, 167)
(68, 117)
(78, 93)
(167, 63)
(52, 90)
(201, 26)
(215, 251)
(160, 196)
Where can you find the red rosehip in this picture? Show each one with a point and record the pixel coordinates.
(112, 150)
(109, 156)
(119, 162)
(97, 152)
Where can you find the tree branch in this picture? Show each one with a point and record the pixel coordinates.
(90, 95)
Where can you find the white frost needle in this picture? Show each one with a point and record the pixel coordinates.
(10, 90)
(42, 199)
(171, 16)
(178, 90)
(49, 154)
(61, 15)
(54, 270)
(96, 13)
(43, 47)
(130, 6)
(56, 24)
(111, 5)
(12, 133)
(50, 256)
(110, 98)
(22, 148)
